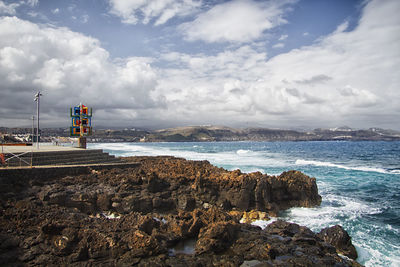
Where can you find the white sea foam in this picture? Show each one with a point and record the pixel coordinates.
(263, 223)
(241, 159)
(333, 165)
(375, 252)
(242, 151)
(331, 212)
(348, 212)
(111, 216)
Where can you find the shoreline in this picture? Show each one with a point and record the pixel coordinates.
(153, 207)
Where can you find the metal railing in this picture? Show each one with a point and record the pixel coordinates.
(4, 162)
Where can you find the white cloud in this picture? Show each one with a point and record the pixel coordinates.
(32, 3)
(142, 11)
(71, 7)
(85, 18)
(347, 77)
(278, 45)
(358, 97)
(236, 21)
(55, 11)
(9, 9)
(283, 37)
(68, 68)
(34, 14)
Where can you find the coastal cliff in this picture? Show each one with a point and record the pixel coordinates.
(165, 212)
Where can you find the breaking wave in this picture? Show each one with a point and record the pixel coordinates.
(340, 166)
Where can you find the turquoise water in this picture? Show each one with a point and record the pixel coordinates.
(359, 183)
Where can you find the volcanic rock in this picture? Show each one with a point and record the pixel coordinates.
(136, 216)
(340, 239)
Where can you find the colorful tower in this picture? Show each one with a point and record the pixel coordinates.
(81, 123)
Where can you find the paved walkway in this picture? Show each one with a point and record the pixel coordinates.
(42, 148)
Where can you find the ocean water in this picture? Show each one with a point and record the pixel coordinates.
(359, 183)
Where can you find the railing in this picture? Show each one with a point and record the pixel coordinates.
(4, 161)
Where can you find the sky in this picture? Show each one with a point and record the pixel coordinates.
(292, 64)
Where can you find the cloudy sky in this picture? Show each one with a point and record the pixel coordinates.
(166, 63)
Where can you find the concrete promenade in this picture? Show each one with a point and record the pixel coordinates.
(47, 154)
(42, 148)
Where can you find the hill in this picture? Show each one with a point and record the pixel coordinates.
(220, 133)
(215, 133)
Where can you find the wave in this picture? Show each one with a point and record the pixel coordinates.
(264, 223)
(245, 160)
(350, 213)
(242, 151)
(354, 168)
(333, 210)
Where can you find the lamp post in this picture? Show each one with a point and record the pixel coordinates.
(33, 127)
(37, 99)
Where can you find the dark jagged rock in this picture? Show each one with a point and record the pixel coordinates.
(233, 189)
(138, 216)
(340, 239)
(216, 238)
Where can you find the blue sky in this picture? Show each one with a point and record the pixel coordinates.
(307, 20)
(165, 63)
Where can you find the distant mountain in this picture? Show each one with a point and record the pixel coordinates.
(220, 133)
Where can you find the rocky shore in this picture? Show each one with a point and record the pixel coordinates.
(165, 212)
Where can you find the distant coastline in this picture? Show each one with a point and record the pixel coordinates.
(208, 134)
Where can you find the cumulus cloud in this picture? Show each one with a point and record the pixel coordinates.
(235, 21)
(142, 11)
(68, 68)
(347, 77)
(358, 97)
(315, 79)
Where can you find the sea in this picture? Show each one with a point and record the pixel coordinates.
(359, 183)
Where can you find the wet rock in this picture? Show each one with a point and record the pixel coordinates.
(300, 190)
(340, 239)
